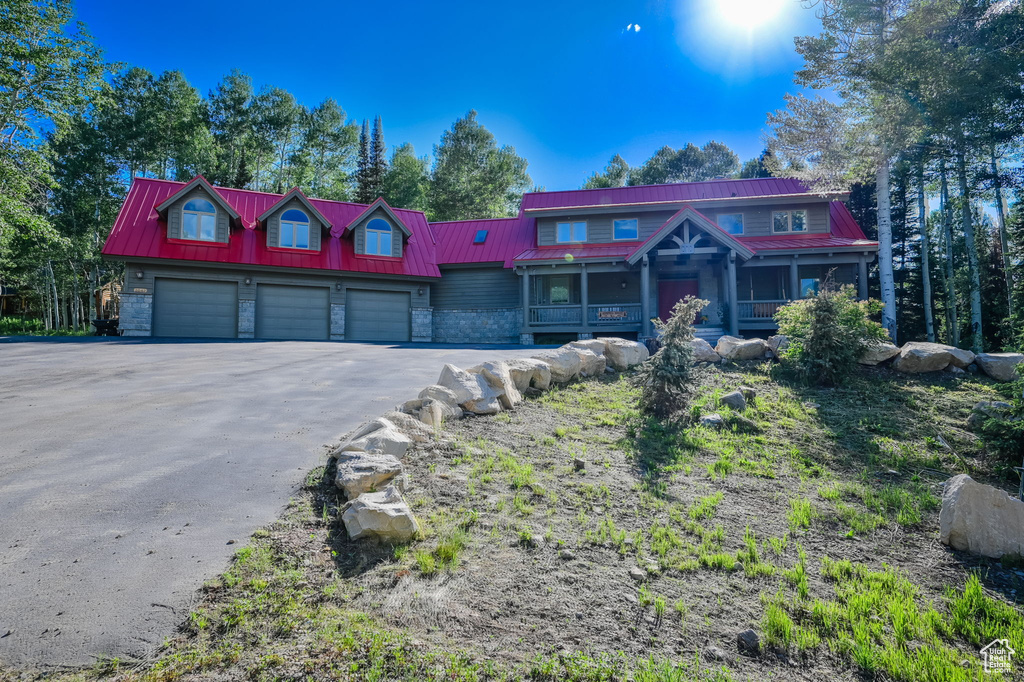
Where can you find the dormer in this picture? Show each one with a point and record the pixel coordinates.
(294, 223)
(379, 232)
(198, 213)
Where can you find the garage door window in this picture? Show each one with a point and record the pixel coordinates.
(294, 229)
(378, 237)
(199, 221)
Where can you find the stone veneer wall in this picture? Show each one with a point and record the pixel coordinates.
(136, 317)
(422, 325)
(337, 322)
(497, 325)
(246, 319)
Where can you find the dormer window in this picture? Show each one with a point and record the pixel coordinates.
(199, 221)
(378, 237)
(294, 229)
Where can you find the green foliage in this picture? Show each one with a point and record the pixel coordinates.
(472, 177)
(688, 164)
(828, 333)
(1005, 436)
(668, 380)
(614, 174)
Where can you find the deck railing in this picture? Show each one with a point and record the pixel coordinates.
(625, 313)
(556, 314)
(759, 310)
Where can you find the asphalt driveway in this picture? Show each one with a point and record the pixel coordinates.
(127, 466)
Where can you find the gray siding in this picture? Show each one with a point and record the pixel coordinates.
(606, 287)
(756, 220)
(174, 216)
(599, 227)
(397, 236)
(274, 226)
(476, 288)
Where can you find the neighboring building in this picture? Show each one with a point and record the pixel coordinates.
(214, 262)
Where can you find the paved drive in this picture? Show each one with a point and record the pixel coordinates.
(127, 466)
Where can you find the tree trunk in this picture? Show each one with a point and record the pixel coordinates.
(885, 275)
(947, 230)
(972, 250)
(1004, 240)
(926, 275)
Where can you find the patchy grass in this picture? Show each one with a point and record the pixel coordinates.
(811, 517)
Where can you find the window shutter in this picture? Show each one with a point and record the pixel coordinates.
(315, 228)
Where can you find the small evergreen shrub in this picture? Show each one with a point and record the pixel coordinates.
(668, 380)
(1005, 436)
(828, 333)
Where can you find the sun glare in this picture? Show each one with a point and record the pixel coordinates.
(749, 14)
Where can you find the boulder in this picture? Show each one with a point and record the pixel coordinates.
(703, 352)
(565, 364)
(918, 356)
(383, 516)
(877, 353)
(735, 400)
(748, 643)
(410, 426)
(961, 358)
(732, 348)
(529, 373)
(1001, 366)
(712, 421)
(748, 393)
(595, 346)
(500, 381)
(446, 396)
(591, 364)
(988, 409)
(980, 519)
(432, 413)
(623, 354)
(472, 392)
(379, 435)
(778, 343)
(363, 472)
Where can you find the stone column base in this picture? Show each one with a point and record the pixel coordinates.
(422, 325)
(337, 322)
(526, 339)
(136, 316)
(246, 319)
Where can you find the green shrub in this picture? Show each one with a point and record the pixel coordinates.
(1005, 437)
(668, 380)
(828, 333)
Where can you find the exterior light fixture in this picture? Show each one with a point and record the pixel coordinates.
(248, 281)
(139, 274)
(337, 286)
(419, 292)
(623, 284)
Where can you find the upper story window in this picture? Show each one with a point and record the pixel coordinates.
(571, 232)
(294, 229)
(378, 237)
(731, 222)
(199, 221)
(789, 221)
(625, 228)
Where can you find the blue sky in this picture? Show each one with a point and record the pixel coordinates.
(565, 83)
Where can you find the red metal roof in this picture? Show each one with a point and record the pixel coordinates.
(675, 193)
(506, 237)
(139, 233)
(578, 252)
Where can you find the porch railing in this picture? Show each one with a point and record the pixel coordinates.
(628, 313)
(759, 310)
(556, 314)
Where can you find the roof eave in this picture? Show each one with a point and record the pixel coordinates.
(831, 196)
(295, 193)
(197, 181)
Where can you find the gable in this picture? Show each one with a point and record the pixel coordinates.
(359, 231)
(271, 221)
(173, 213)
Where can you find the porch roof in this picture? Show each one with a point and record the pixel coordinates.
(616, 251)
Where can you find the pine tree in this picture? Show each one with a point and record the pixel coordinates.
(364, 192)
(378, 168)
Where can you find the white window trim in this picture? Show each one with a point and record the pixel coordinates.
(789, 221)
(570, 223)
(626, 239)
(366, 239)
(199, 220)
(294, 224)
(743, 226)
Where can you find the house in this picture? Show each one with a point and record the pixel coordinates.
(206, 261)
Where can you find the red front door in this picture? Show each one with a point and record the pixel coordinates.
(671, 291)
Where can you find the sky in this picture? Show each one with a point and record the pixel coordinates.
(568, 84)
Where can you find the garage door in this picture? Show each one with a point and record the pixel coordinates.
(195, 308)
(376, 315)
(289, 312)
